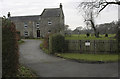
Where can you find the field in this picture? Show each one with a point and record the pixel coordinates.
(84, 37)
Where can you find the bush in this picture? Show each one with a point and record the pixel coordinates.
(97, 34)
(106, 35)
(18, 35)
(87, 34)
(10, 55)
(56, 43)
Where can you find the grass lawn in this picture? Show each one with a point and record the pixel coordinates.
(90, 57)
(84, 37)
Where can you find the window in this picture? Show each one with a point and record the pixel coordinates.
(26, 33)
(49, 23)
(37, 25)
(25, 25)
(49, 31)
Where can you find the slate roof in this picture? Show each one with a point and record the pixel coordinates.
(23, 18)
(51, 12)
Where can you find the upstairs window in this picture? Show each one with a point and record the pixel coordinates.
(37, 25)
(49, 23)
(26, 33)
(25, 25)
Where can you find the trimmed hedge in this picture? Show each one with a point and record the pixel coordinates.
(10, 54)
(56, 43)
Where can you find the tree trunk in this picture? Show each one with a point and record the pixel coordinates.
(95, 30)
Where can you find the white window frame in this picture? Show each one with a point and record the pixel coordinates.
(25, 25)
(25, 33)
(37, 25)
(49, 23)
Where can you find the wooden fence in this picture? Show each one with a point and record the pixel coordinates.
(91, 46)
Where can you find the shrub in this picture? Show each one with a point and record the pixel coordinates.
(18, 35)
(97, 34)
(106, 35)
(10, 55)
(56, 43)
(87, 34)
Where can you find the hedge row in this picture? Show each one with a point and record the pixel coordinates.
(56, 43)
(10, 54)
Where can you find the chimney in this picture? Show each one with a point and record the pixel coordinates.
(8, 14)
(61, 5)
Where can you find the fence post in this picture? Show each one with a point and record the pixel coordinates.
(94, 47)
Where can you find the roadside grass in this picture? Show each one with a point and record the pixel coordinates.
(90, 57)
(20, 41)
(84, 37)
(25, 72)
(42, 47)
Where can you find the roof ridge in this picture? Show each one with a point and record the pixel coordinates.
(25, 16)
(52, 8)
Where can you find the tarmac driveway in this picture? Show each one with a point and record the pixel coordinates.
(49, 66)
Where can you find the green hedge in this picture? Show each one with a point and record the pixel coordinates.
(56, 43)
(10, 55)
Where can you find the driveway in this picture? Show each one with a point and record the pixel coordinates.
(49, 66)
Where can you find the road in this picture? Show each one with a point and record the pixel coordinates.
(50, 66)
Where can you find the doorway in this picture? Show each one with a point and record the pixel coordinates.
(38, 33)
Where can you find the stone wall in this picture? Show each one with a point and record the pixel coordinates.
(30, 21)
(55, 26)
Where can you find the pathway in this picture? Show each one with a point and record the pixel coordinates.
(49, 66)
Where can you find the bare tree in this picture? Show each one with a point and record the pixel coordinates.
(99, 5)
(89, 15)
(92, 8)
(79, 28)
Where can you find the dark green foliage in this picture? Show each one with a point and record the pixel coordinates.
(106, 35)
(10, 55)
(87, 34)
(118, 35)
(18, 35)
(56, 43)
(97, 34)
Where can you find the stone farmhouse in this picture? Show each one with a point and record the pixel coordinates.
(50, 21)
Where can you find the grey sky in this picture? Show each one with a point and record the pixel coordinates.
(72, 16)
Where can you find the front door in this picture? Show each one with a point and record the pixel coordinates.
(38, 33)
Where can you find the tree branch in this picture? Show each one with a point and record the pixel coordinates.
(118, 2)
(108, 3)
(103, 8)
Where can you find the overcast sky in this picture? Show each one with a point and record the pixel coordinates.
(73, 17)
